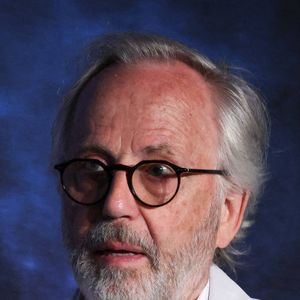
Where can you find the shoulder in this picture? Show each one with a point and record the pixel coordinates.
(222, 287)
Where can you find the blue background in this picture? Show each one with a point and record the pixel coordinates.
(39, 42)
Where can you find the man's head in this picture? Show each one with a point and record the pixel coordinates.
(146, 98)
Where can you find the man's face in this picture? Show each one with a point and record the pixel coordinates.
(120, 248)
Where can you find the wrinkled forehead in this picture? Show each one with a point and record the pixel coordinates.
(150, 82)
(163, 93)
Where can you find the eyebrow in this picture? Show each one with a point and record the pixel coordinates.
(110, 157)
(96, 149)
(160, 148)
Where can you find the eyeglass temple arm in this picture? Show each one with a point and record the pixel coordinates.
(204, 171)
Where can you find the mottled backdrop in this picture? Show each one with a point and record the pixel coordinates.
(39, 42)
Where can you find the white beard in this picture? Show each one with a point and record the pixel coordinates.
(167, 276)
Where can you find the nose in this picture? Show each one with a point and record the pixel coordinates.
(119, 202)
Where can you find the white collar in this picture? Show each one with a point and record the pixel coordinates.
(205, 293)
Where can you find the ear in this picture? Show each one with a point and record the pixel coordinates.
(232, 213)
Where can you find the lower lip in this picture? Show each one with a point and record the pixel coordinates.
(117, 259)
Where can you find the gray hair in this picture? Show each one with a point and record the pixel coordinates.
(242, 117)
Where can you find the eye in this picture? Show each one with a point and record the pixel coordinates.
(158, 170)
(92, 166)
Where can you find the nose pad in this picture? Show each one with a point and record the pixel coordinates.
(119, 201)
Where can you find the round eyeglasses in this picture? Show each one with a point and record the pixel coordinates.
(152, 182)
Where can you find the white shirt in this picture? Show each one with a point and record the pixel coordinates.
(204, 294)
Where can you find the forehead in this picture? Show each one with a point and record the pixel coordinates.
(148, 99)
(171, 78)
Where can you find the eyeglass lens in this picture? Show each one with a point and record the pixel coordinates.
(85, 181)
(88, 182)
(154, 183)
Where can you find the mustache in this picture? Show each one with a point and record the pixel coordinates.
(108, 231)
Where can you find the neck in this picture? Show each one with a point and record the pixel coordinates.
(193, 288)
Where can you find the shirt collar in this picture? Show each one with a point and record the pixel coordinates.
(205, 293)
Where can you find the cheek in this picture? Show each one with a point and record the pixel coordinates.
(177, 222)
(77, 220)
(173, 225)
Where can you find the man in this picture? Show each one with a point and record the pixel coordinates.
(161, 156)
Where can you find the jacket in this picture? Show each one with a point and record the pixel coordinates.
(221, 287)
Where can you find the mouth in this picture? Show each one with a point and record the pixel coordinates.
(115, 253)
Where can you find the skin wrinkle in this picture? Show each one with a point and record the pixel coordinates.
(165, 86)
(153, 116)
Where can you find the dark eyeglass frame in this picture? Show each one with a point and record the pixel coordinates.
(109, 169)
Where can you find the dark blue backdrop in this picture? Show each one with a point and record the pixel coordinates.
(38, 38)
